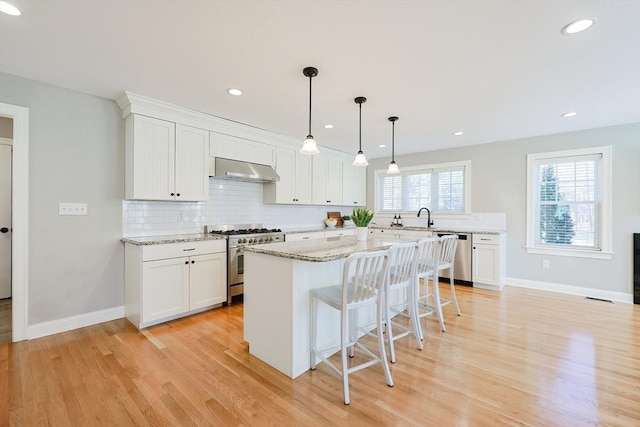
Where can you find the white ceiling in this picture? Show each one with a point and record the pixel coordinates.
(496, 70)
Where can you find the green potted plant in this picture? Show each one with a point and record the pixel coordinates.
(346, 221)
(361, 218)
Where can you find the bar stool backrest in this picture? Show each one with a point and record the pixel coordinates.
(364, 273)
(428, 255)
(448, 244)
(402, 260)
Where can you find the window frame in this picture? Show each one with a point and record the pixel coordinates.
(604, 222)
(465, 164)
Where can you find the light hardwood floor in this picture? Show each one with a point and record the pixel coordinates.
(520, 357)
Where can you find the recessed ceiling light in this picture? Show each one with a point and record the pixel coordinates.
(382, 145)
(458, 133)
(9, 9)
(570, 114)
(235, 92)
(579, 25)
(328, 126)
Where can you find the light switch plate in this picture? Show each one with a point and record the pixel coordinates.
(72, 209)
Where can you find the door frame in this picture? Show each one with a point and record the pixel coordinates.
(20, 218)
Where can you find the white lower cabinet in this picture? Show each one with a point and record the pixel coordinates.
(167, 281)
(339, 232)
(294, 237)
(488, 261)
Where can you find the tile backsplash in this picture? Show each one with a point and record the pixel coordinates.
(230, 202)
(237, 202)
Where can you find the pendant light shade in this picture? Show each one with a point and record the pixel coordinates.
(309, 145)
(360, 159)
(393, 167)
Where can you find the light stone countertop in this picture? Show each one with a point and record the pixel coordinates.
(313, 229)
(329, 249)
(438, 229)
(173, 238)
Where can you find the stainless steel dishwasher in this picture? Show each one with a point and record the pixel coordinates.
(462, 262)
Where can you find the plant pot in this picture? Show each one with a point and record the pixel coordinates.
(362, 233)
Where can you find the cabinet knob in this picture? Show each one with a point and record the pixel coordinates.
(192, 262)
(4, 230)
(178, 194)
(173, 194)
(328, 201)
(186, 262)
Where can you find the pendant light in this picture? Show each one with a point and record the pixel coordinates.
(309, 145)
(393, 168)
(360, 159)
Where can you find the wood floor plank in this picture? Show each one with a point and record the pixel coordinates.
(519, 357)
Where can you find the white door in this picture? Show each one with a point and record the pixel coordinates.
(5, 221)
(191, 174)
(165, 288)
(207, 280)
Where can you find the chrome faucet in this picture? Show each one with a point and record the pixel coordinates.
(429, 222)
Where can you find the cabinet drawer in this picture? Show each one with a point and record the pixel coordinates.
(336, 233)
(175, 250)
(486, 239)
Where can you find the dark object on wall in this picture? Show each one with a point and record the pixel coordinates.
(636, 268)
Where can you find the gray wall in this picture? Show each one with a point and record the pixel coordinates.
(76, 143)
(498, 184)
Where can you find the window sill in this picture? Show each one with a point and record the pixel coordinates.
(576, 253)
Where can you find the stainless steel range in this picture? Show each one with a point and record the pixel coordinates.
(239, 236)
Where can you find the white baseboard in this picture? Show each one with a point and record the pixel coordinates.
(74, 322)
(573, 290)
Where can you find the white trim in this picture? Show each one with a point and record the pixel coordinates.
(75, 322)
(467, 186)
(20, 219)
(576, 253)
(606, 244)
(572, 290)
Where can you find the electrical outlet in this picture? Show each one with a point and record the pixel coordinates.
(72, 209)
(546, 263)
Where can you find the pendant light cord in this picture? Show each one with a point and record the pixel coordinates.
(393, 142)
(310, 104)
(360, 131)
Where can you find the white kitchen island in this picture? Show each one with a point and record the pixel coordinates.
(277, 305)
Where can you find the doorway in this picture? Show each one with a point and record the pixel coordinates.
(6, 142)
(19, 218)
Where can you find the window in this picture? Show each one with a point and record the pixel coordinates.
(569, 203)
(441, 188)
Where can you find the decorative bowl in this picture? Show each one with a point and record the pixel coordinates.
(331, 222)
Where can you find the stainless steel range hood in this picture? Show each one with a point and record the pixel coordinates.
(242, 171)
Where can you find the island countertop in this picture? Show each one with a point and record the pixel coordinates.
(329, 249)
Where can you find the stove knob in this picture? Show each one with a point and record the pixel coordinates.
(260, 240)
(250, 241)
(242, 241)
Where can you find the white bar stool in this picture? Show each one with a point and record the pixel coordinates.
(448, 245)
(402, 285)
(427, 256)
(365, 278)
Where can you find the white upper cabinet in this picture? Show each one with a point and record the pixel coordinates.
(327, 179)
(191, 177)
(354, 184)
(294, 186)
(165, 161)
(234, 148)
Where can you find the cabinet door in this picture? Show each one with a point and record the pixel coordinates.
(302, 188)
(165, 288)
(354, 184)
(254, 152)
(150, 159)
(207, 280)
(294, 237)
(191, 174)
(282, 191)
(319, 180)
(485, 264)
(327, 180)
(334, 181)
